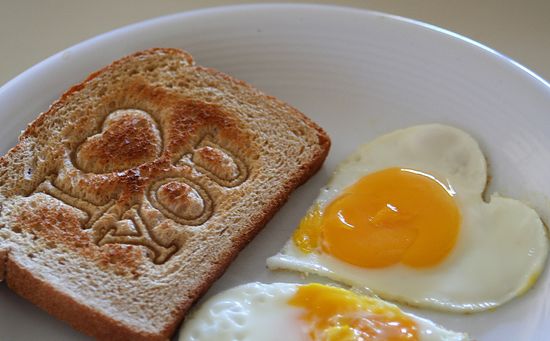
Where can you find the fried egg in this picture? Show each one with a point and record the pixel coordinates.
(404, 217)
(293, 312)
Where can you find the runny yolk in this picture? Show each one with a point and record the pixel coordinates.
(390, 216)
(334, 314)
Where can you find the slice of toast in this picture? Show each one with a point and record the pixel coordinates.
(125, 201)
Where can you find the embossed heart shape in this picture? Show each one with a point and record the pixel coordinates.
(128, 138)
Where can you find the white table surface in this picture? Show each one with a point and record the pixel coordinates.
(31, 30)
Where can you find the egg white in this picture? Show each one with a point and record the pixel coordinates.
(256, 311)
(502, 244)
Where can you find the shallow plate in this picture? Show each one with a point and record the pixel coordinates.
(358, 74)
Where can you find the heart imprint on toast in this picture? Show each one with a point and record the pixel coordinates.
(128, 138)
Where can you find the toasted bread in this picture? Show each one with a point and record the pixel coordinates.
(131, 195)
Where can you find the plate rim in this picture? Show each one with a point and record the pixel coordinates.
(228, 9)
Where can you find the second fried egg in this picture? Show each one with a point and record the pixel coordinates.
(404, 216)
(309, 312)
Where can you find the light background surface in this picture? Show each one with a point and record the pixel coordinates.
(32, 30)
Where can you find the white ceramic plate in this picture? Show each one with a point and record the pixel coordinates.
(358, 74)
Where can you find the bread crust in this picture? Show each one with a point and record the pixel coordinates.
(3, 261)
(82, 316)
(64, 307)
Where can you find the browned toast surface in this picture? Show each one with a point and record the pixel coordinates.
(125, 200)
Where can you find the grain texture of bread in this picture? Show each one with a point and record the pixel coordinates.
(131, 195)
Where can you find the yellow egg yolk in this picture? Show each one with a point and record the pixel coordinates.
(387, 217)
(334, 314)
